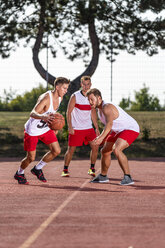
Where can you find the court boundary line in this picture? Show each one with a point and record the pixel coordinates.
(46, 223)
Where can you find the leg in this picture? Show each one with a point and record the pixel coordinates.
(67, 158)
(118, 148)
(19, 175)
(30, 157)
(93, 157)
(93, 153)
(105, 163)
(55, 150)
(106, 157)
(68, 155)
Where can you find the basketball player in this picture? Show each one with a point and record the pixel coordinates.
(119, 132)
(80, 118)
(36, 128)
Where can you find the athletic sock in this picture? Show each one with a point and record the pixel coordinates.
(20, 171)
(65, 167)
(92, 166)
(40, 165)
(128, 175)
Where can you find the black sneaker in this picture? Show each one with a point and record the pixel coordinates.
(39, 174)
(20, 178)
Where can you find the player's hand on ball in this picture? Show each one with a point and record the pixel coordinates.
(48, 118)
(56, 121)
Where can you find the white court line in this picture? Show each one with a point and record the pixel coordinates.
(45, 224)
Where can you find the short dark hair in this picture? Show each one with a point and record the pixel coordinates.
(85, 78)
(61, 80)
(94, 91)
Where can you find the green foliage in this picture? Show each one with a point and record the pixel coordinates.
(146, 133)
(145, 101)
(80, 29)
(67, 21)
(12, 124)
(125, 103)
(25, 102)
(145, 130)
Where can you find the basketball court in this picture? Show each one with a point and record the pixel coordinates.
(74, 213)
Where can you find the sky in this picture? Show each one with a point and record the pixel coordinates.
(130, 73)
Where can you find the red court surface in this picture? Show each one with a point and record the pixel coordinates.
(74, 213)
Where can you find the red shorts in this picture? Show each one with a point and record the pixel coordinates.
(81, 136)
(128, 135)
(30, 142)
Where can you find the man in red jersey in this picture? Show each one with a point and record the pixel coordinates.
(80, 117)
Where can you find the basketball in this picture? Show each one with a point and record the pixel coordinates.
(58, 123)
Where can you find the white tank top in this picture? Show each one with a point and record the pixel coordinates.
(35, 127)
(81, 114)
(123, 122)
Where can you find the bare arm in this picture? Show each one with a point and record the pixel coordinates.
(70, 108)
(41, 107)
(109, 115)
(95, 121)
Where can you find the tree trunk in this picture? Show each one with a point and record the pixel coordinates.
(75, 84)
(36, 49)
(37, 64)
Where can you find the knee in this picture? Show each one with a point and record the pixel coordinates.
(56, 152)
(116, 151)
(104, 152)
(71, 150)
(94, 148)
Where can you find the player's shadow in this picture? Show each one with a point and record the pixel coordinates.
(135, 186)
(148, 187)
(74, 188)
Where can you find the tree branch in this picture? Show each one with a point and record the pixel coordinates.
(75, 84)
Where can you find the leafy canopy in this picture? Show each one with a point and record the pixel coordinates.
(66, 22)
(81, 28)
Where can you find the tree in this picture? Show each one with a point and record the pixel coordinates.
(81, 28)
(145, 101)
(125, 103)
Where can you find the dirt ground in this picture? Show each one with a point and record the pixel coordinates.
(74, 213)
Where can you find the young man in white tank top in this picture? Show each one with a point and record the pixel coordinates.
(80, 117)
(36, 128)
(119, 132)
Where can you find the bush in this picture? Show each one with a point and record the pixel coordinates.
(26, 102)
(145, 133)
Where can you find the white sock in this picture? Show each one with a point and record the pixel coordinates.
(20, 171)
(40, 165)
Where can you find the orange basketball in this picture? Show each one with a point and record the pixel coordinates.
(58, 122)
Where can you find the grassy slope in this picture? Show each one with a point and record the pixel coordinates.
(12, 127)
